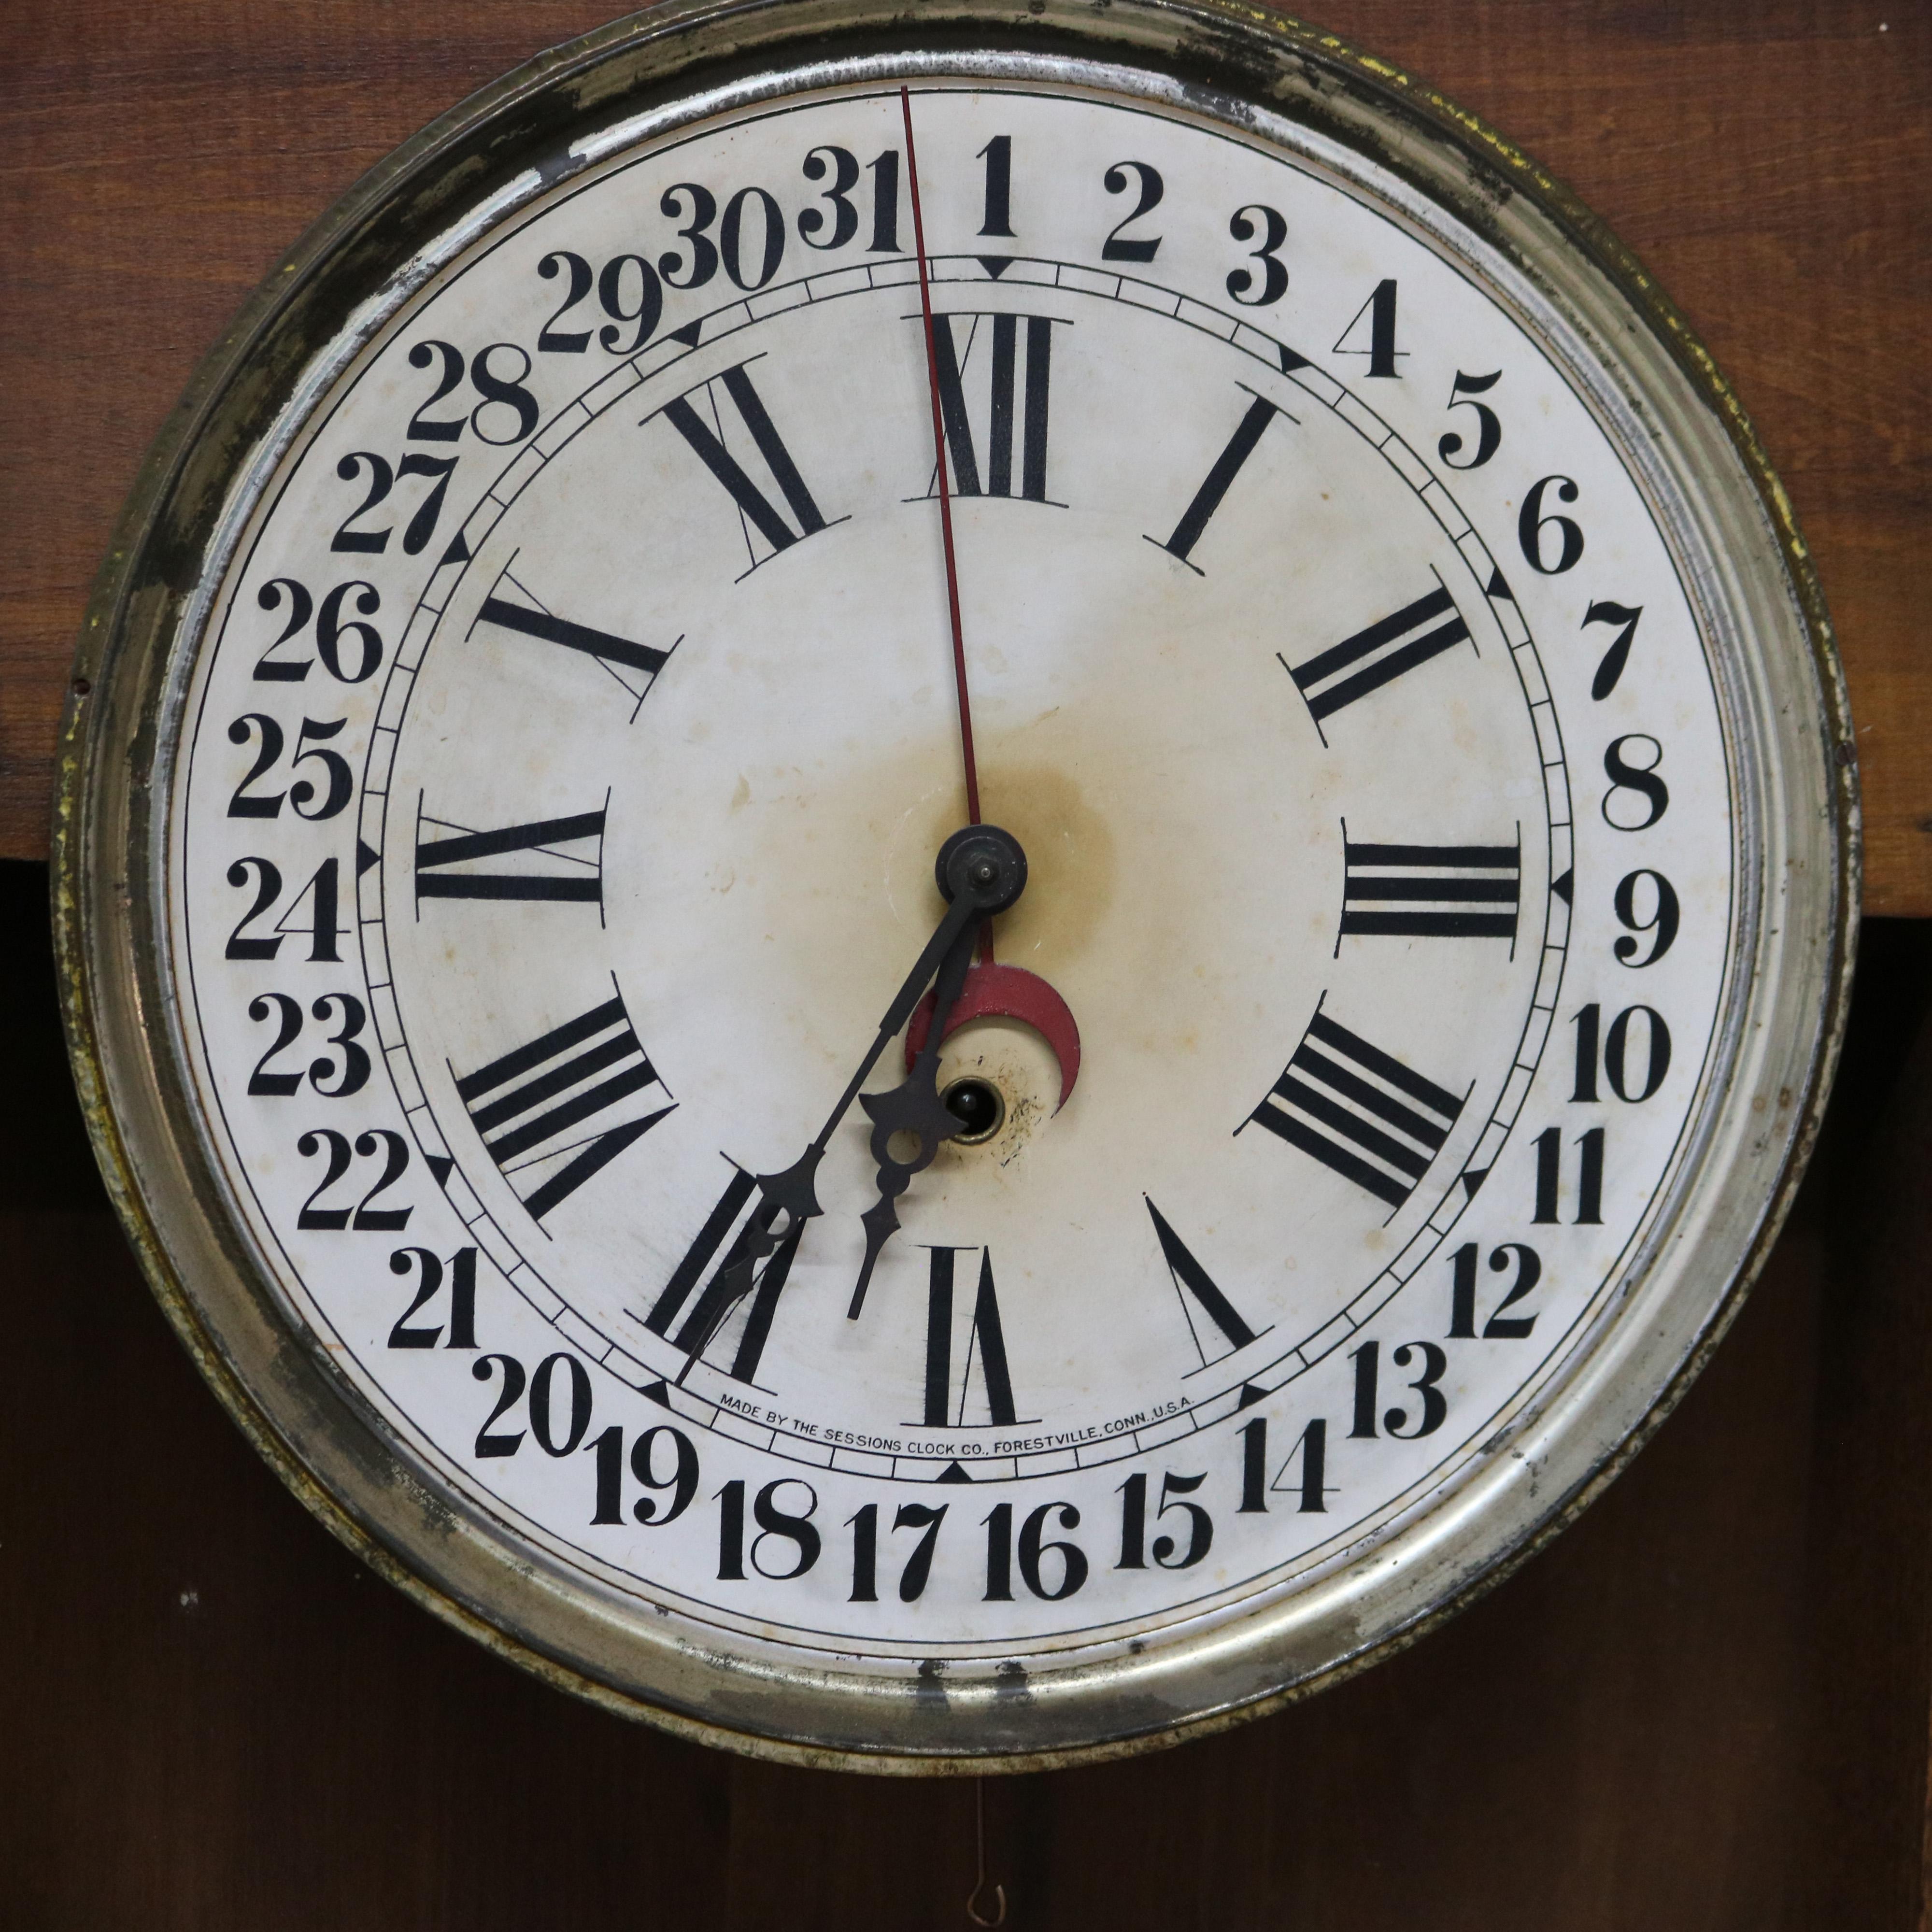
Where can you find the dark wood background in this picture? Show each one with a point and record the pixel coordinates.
(1708, 1706)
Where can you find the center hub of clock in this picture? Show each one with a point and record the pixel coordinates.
(978, 1106)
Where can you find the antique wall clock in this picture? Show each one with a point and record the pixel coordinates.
(943, 885)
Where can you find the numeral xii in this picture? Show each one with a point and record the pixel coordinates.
(950, 360)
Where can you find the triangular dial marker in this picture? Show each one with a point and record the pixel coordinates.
(952, 1473)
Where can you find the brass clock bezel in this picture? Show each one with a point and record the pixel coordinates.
(1795, 791)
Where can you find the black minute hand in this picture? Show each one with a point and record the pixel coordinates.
(912, 1110)
(982, 871)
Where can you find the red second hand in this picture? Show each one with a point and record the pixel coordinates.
(945, 500)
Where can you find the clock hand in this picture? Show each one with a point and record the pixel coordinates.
(967, 758)
(939, 459)
(982, 871)
(912, 1108)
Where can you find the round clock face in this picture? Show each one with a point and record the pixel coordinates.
(1346, 1128)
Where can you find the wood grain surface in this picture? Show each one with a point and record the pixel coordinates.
(1704, 1708)
(1771, 160)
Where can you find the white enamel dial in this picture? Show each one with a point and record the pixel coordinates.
(564, 736)
(655, 776)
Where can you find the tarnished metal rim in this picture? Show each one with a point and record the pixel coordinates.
(103, 898)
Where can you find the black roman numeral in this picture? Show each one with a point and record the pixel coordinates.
(984, 1336)
(1431, 892)
(527, 1104)
(756, 509)
(756, 1264)
(1189, 1274)
(1359, 1111)
(1416, 633)
(634, 666)
(1005, 391)
(1248, 432)
(570, 851)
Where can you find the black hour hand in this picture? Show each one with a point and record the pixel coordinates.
(912, 1113)
(911, 1117)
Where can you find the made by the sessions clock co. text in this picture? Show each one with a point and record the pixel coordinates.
(968, 1446)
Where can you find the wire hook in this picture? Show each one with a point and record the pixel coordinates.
(979, 1880)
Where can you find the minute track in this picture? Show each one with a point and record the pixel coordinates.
(949, 1454)
(1269, 352)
